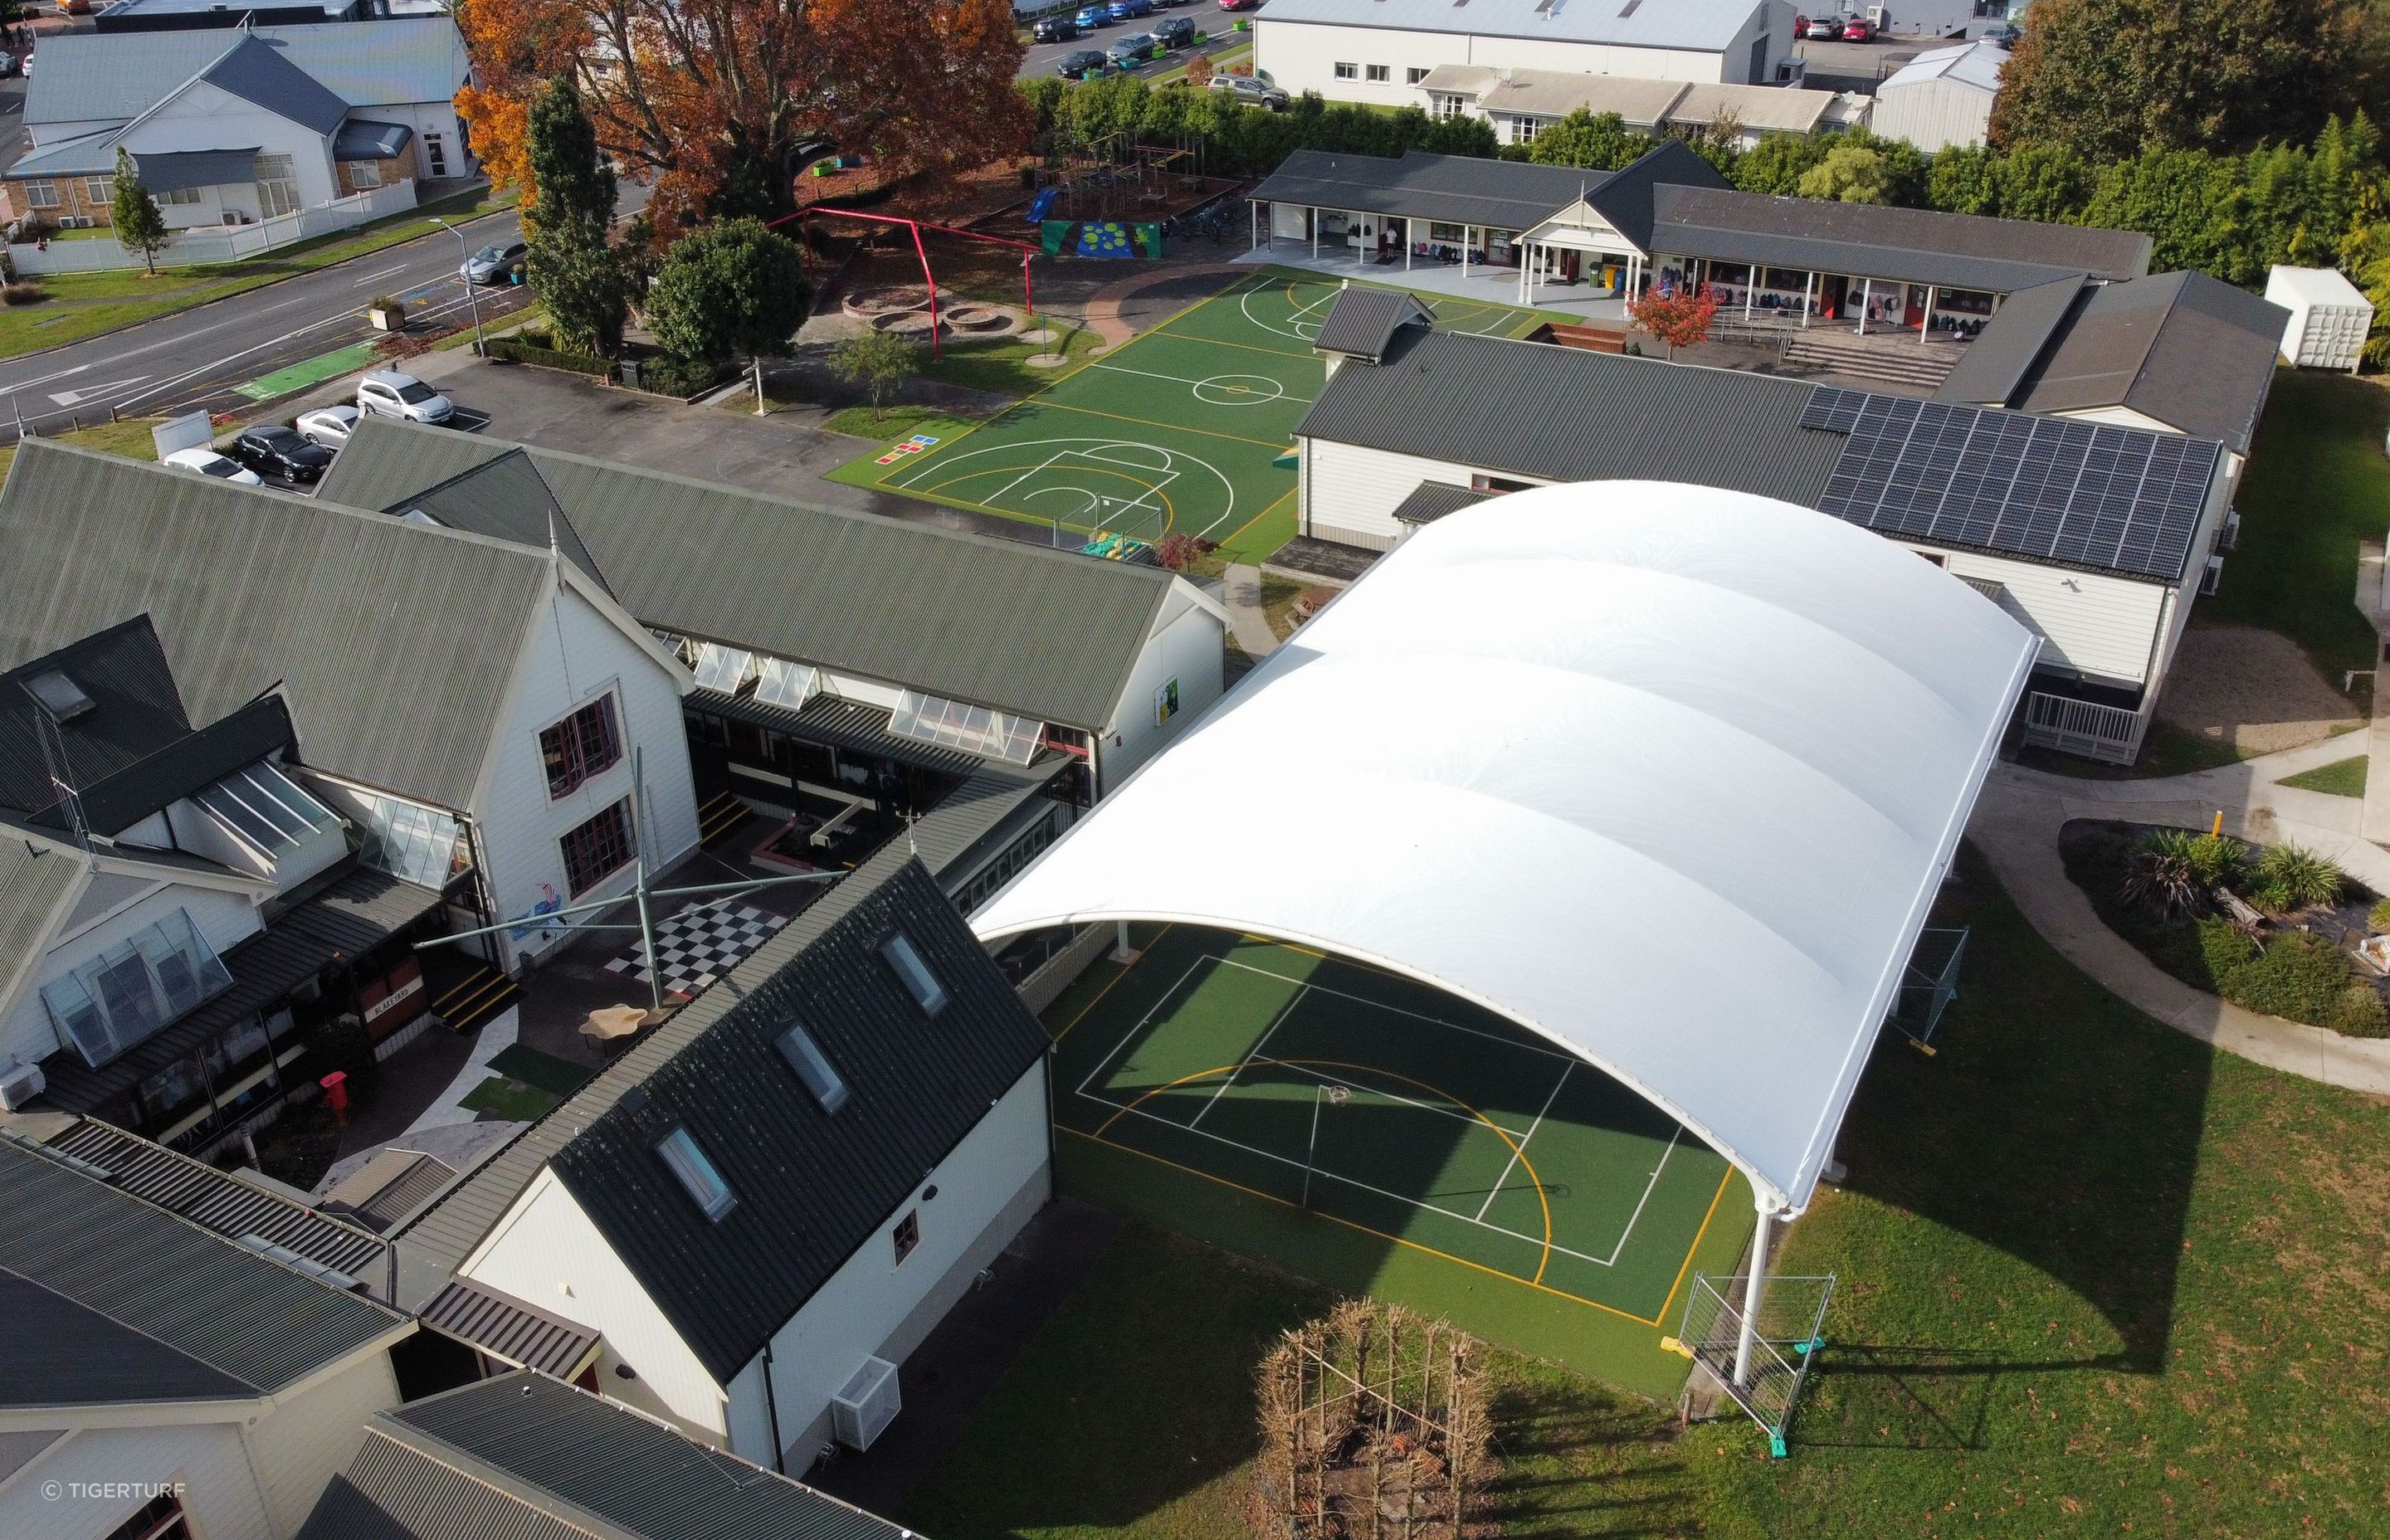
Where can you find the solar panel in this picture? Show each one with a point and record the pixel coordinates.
(2121, 499)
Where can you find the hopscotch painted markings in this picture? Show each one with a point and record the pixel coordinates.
(1129, 459)
(913, 445)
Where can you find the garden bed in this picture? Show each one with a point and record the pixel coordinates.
(2296, 961)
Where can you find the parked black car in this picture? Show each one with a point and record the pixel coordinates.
(1175, 31)
(279, 450)
(1080, 64)
(1054, 29)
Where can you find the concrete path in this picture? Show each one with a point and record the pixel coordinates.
(2016, 825)
(1242, 595)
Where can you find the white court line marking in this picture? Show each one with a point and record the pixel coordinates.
(1647, 1189)
(908, 477)
(1230, 1078)
(1520, 1148)
(1198, 384)
(1138, 1026)
(1416, 1016)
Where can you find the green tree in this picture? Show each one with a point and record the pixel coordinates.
(1598, 142)
(732, 288)
(1849, 174)
(1962, 180)
(137, 224)
(1777, 163)
(2045, 183)
(879, 363)
(570, 208)
(2113, 78)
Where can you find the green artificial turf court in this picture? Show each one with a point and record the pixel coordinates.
(1179, 431)
(1389, 1138)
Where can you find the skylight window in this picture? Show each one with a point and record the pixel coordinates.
(689, 1161)
(61, 696)
(128, 991)
(913, 972)
(814, 1067)
(781, 683)
(973, 729)
(723, 667)
(264, 808)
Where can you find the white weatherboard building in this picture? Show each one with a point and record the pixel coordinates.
(1521, 103)
(1381, 51)
(1943, 96)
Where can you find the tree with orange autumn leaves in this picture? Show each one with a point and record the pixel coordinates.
(721, 101)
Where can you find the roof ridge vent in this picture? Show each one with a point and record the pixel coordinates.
(297, 1264)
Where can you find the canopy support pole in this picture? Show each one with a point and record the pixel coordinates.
(1925, 321)
(1123, 952)
(1867, 298)
(1755, 1290)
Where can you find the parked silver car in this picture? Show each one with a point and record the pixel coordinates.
(388, 393)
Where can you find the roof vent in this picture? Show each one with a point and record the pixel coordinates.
(293, 1261)
(61, 696)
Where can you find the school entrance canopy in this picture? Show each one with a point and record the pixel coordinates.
(1665, 774)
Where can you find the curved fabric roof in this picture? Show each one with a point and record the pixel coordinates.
(1666, 774)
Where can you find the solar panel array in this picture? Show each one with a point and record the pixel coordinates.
(2120, 499)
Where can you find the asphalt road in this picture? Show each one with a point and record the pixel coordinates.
(1208, 18)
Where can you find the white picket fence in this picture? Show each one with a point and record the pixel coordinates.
(208, 244)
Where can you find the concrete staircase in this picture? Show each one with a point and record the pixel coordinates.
(1899, 361)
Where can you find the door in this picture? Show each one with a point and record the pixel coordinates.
(277, 185)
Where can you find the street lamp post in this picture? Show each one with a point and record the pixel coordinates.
(472, 295)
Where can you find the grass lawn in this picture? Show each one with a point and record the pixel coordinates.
(129, 438)
(85, 304)
(997, 366)
(2317, 484)
(2095, 1278)
(893, 423)
(511, 1099)
(2341, 777)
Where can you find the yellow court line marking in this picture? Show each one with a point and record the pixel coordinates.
(1171, 427)
(1123, 974)
(1170, 509)
(1518, 1150)
(1694, 1249)
(1259, 517)
(1364, 1229)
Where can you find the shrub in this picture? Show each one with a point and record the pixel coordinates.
(2159, 877)
(382, 301)
(24, 293)
(2290, 877)
(2378, 916)
(2299, 976)
(2205, 953)
(517, 351)
(1180, 551)
(2216, 861)
(683, 377)
(2359, 1012)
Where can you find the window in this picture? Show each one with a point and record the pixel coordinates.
(277, 185)
(179, 198)
(723, 669)
(814, 1067)
(1380, 74)
(1413, 75)
(587, 744)
(1523, 130)
(437, 153)
(134, 988)
(1436, 230)
(364, 174)
(973, 729)
(98, 191)
(409, 841)
(263, 808)
(696, 1173)
(781, 683)
(907, 1234)
(159, 1519)
(913, 973)
(42, 194)
(1348, 72)
(598, 849)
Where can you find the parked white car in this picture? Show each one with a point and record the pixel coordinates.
(206, 462)
(329, 426)
(388, 393)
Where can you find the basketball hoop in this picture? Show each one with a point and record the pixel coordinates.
(1339, 1095)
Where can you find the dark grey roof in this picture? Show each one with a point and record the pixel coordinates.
(181, 169)
(66, 1353)
(978, 816)
(135, 712)
(363, 139)
(392, 642)
(524, 1457)
(1554, 414)
(435, 1240)
(1568, 414)
(840, 724)
(218, 1201)
(257, 72)
(2182, 349)
(514, 1330)
(1456, 189)
(1429, 501)
(91, 76)
(996, 623)
(350, 916)
(259, 730)
(1868, 241)
(38, 874)
(1626, 199)
(505, 498)
(1362, 323)
(257, 1325)
(1997, 359)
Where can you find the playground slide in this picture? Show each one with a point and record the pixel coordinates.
(1042, 202)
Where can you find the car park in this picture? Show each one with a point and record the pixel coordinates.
(388, 393)
(206, 462)
(1858, 29)
(1054, 29)
(1239, 5)
(329, 426)
(1132, 50)
(1175, 32)
(274, 450)
(2008, 35)
(1124, 10)
(1245, 88)
(491, 263)
(1824, 29)
(1092, 17)
(1080, 64)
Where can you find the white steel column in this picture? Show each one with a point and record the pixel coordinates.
(1925, 321)
(1406, 245)
(1253, 222)
(1808, 300)
(1314, 235)
(1755, 1290)
(1464, 251)
(1867, 298)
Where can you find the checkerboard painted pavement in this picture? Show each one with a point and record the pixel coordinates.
(699, 944)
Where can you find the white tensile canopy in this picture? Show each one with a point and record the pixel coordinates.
(1666, 774)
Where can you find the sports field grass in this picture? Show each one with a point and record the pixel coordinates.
(1177, 431)
(1384, 1136)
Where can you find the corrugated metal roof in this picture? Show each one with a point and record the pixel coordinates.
(388, 1187)
(1977, 64)
(1362, 323)
(135, 712)
(391, 641)
(1997, 359)
(2182, 348)
(249, 1320)
(93, 76)
(62, 1354)
(1917, 245)
(524, 1457)
(979, 814)
(84, 155)
(257, 731)
(1557, 93)
(260, 74)
(839, 723)
(1774, 108)
(512, 1330)
(217, 1200)
(1698, 25)
(1453, 189)
(1429, 501)
(38, 876)
(996, 623)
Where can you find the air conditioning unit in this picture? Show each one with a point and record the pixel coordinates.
(2213, 576)
(230, 217)
(862, 1410)
(2229, 537)
(20, 1084)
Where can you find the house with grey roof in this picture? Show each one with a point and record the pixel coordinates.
(526, 1458)
(242, 126)
(164, 1379)
(468, 706)
(1521, 103)
(2094, 532)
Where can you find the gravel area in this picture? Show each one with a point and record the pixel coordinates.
(2252, 689)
